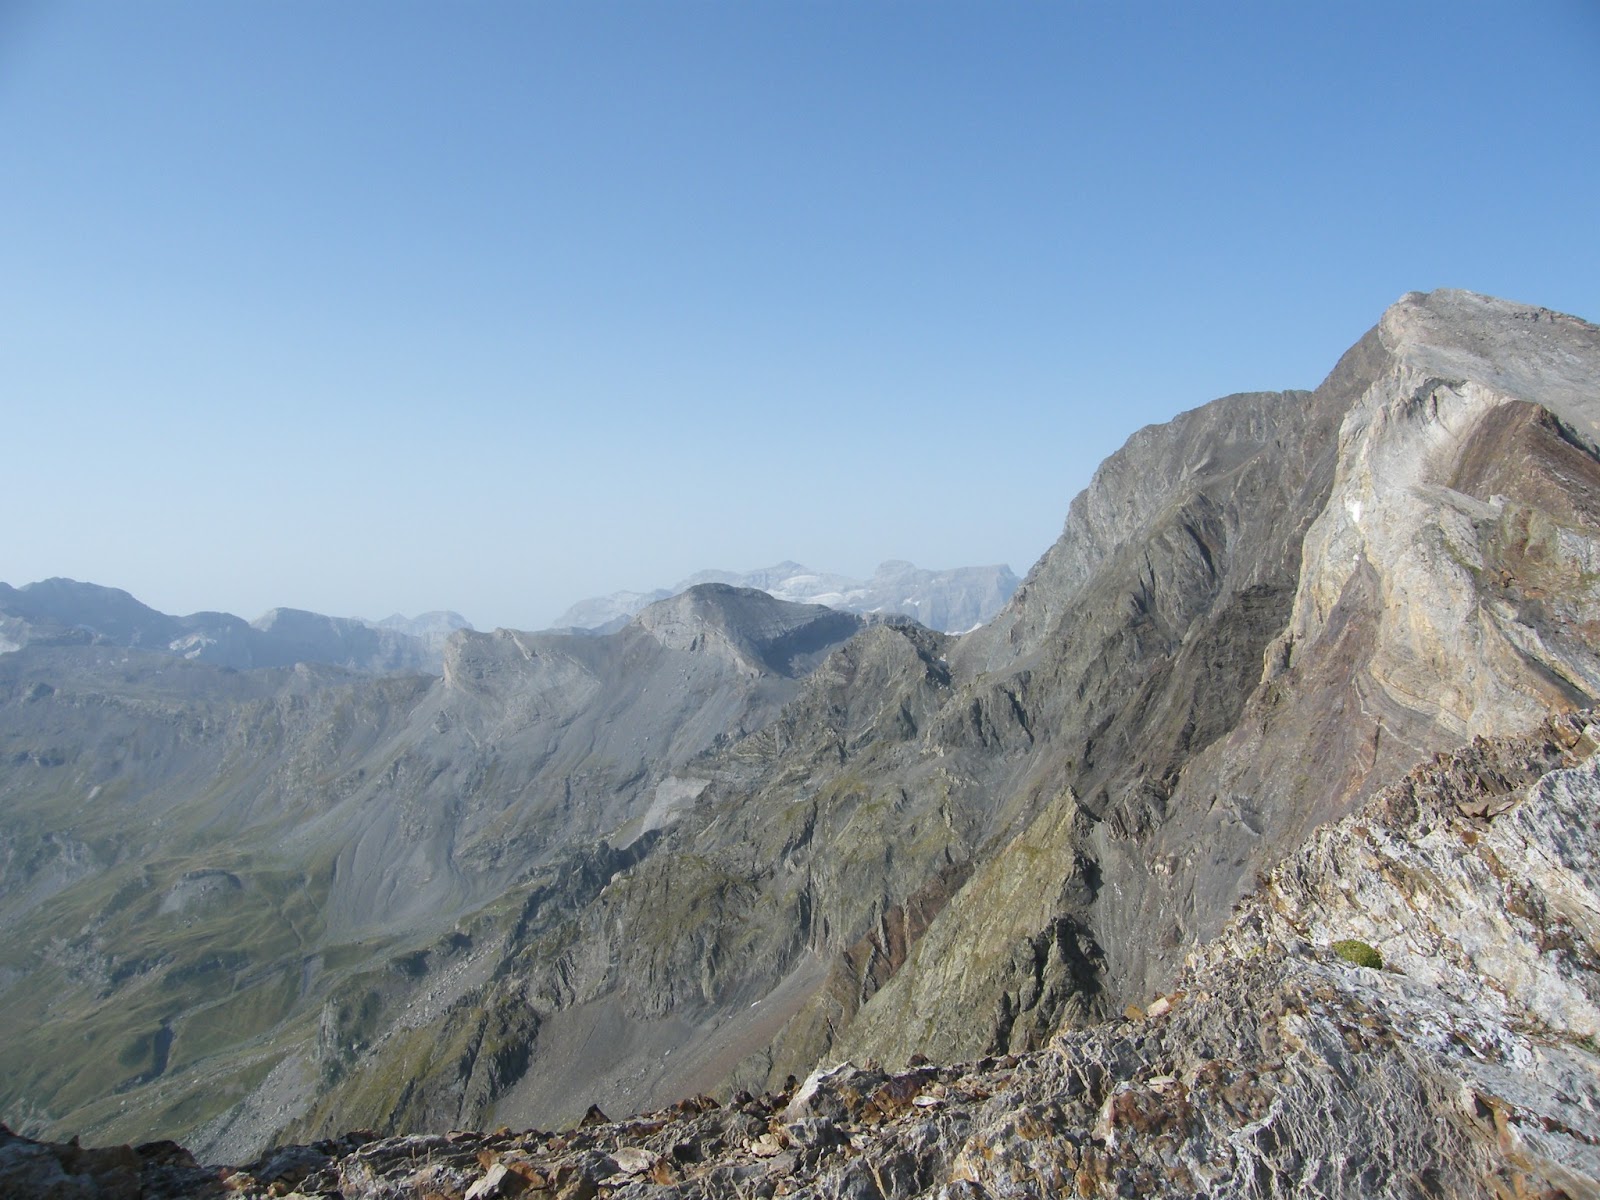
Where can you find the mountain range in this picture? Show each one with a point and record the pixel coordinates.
(1201, 755)
(954, 601)
(66, 612)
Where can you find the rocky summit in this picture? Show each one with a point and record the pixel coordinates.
(1250, 849)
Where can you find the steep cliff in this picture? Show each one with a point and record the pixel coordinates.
(951, 847)
(733, 840)
(1322, 589)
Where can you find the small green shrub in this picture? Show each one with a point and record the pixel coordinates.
(1359, 953)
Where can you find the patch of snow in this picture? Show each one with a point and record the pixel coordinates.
(191, 646)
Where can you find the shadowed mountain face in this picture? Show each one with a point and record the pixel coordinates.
(739, 838)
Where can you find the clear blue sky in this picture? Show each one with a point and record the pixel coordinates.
(365, 306)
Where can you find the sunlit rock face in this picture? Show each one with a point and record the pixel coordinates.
(1257, 615)
(740, 840)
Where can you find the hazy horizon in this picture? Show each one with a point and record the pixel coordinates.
(375, 618)
(389, 307)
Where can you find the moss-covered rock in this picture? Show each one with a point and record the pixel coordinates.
(1359, 953)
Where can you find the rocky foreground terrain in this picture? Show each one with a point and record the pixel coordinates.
(1407, 1006)
(739, 840)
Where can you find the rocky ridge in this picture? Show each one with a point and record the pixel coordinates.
(301, 868)
(1464, 1063)
(908, 844)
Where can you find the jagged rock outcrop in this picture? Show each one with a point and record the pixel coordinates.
(954, 848)
(1100, 773)
(1321, 588)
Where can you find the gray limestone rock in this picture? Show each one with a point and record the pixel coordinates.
(737, 839)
